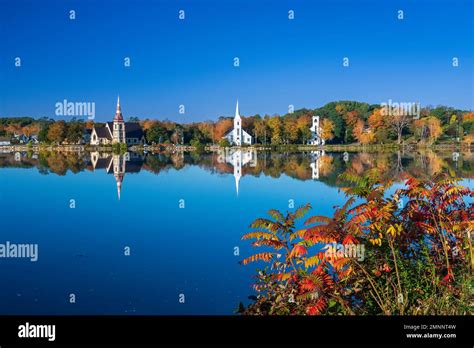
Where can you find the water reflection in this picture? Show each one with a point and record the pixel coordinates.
(118, 165)
(314, 165)
(238, 158)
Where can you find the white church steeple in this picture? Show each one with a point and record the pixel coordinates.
(237, 136)
(118, 132)
(238, 125)
(237, 113)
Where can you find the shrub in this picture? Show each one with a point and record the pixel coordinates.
(415, 261)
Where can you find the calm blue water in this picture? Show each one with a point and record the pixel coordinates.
(173, 251)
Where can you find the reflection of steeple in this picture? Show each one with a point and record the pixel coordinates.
(316, 164)
(237, 180)
(119, 179)
(117, 165)
(238, 158)
(314, 170)
(237, 170)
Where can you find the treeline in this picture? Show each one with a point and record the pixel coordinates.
(46, 130)
(342, 122)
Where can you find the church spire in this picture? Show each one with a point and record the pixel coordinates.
(237, 113)
(118, 112)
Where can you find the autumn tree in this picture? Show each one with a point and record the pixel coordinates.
(434, 128)
(327, 129)
(89, 124)
(57, 132)
(13, 129)
(398, 121)
(350, 119)
(30, 129)
(340, 109)
(259, 128)
(428, 128)
(468, 122)
(221, 128)
(290, 130)
(362, 135)
(276, 128)
(379, 124)
(147, 124)
(303, 124)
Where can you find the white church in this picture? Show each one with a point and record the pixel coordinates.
(315, 129)
(237, 136)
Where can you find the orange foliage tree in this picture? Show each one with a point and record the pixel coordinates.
(221, 128)
(57, 132)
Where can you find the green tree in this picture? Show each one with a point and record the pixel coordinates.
(74, 131)
(156, 134)
(43, 134)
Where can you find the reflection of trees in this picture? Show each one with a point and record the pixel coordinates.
(326, 165)
(427, 163)
(388, 166)
(59, 163)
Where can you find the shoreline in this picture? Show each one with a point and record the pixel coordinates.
(213, 148)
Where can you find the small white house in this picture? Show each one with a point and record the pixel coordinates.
(237, 136)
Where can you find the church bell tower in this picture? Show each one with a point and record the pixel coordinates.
(118, 132)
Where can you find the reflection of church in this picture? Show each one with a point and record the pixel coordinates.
(118, 165)
(238, 158)
(316, 163)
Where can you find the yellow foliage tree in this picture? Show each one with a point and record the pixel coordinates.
(327, 129)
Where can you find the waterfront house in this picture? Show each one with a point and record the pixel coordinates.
(25, 139)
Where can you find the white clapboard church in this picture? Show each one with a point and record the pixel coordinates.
(316, 132)
(237, 136)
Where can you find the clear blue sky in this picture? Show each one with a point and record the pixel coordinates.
(190, 62)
